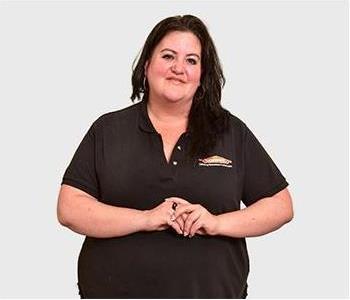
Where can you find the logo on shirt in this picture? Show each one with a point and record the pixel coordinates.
(215, 161)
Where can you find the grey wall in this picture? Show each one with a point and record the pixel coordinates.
(62, 64)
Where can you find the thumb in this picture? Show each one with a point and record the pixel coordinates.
(177, 200)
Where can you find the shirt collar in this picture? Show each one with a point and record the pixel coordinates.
(145, 123)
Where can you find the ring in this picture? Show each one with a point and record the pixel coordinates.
(174, 206)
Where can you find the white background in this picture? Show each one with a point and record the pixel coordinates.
(62, 64)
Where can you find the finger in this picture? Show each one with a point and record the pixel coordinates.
(200, 231)
(181, 224)
(163, 227)
(191, 219)
(173, 205)
(195, 227)
(177, 200)
(184, 217)
(172, 215)
(176, 226)
(179, 221)
(170, 204)
(185, 208)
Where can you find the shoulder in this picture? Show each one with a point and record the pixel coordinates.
(125, 116)
(235, 121)
(236, 124)
(238, 129)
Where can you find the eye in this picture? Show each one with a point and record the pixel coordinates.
(167, 56)
(192, 61)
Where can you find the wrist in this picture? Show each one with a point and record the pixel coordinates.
(146, 224)
(216, 225)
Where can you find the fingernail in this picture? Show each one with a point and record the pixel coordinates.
(185, 233)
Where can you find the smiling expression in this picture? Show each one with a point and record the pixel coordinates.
(174, 70)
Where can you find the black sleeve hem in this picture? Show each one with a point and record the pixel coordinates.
(269, 193)
(80, 186)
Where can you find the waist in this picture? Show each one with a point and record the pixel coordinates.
(164, 261)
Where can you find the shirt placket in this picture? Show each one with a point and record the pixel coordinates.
(170, 170)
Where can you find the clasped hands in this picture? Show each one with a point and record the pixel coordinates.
(187, 219)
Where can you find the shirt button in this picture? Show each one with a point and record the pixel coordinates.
(179, 147)
(174, 162)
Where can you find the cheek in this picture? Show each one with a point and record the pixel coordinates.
(157, 70)
(195, 76)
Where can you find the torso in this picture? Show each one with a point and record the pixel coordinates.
(169, 139)
(129, 172)
(170, 135)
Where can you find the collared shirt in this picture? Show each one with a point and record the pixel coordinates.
(121, 162)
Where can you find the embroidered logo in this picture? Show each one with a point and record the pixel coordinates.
(215, 160)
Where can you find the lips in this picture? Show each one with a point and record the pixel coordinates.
(175, 80)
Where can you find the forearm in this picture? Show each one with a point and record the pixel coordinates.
(264, 216)
(96, 219)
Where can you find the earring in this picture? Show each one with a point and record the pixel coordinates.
(144, 83)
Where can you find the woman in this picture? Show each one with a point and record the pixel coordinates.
(156, 187)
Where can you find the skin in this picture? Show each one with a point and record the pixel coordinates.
(173, 73)
(264, 216)
(178, 56)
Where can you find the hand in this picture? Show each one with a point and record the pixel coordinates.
(199, 220)
(159, 218)
(180, 220)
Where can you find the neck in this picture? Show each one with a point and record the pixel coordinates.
(169, 112)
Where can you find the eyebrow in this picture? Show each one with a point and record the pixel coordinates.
(173, 51)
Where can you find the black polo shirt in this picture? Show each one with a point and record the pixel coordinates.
(121, 162)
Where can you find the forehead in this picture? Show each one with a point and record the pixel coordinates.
(181, 42)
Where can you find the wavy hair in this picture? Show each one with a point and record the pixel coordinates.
(207, 118)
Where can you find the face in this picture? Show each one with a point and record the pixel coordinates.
(174, 70)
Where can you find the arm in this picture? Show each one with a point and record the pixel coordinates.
(264, 216)
(83, 214)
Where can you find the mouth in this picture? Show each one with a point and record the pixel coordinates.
(175, 80)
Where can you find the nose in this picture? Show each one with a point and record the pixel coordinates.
(177, 67)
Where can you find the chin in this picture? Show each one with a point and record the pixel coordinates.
(176, 98)
(173, 100)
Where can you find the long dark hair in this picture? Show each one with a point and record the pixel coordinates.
(207, 118)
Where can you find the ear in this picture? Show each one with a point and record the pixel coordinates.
(146, 66)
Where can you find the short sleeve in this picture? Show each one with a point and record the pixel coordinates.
(81, 172)
(261, 177)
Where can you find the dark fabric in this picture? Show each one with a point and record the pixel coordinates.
(121, 162)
